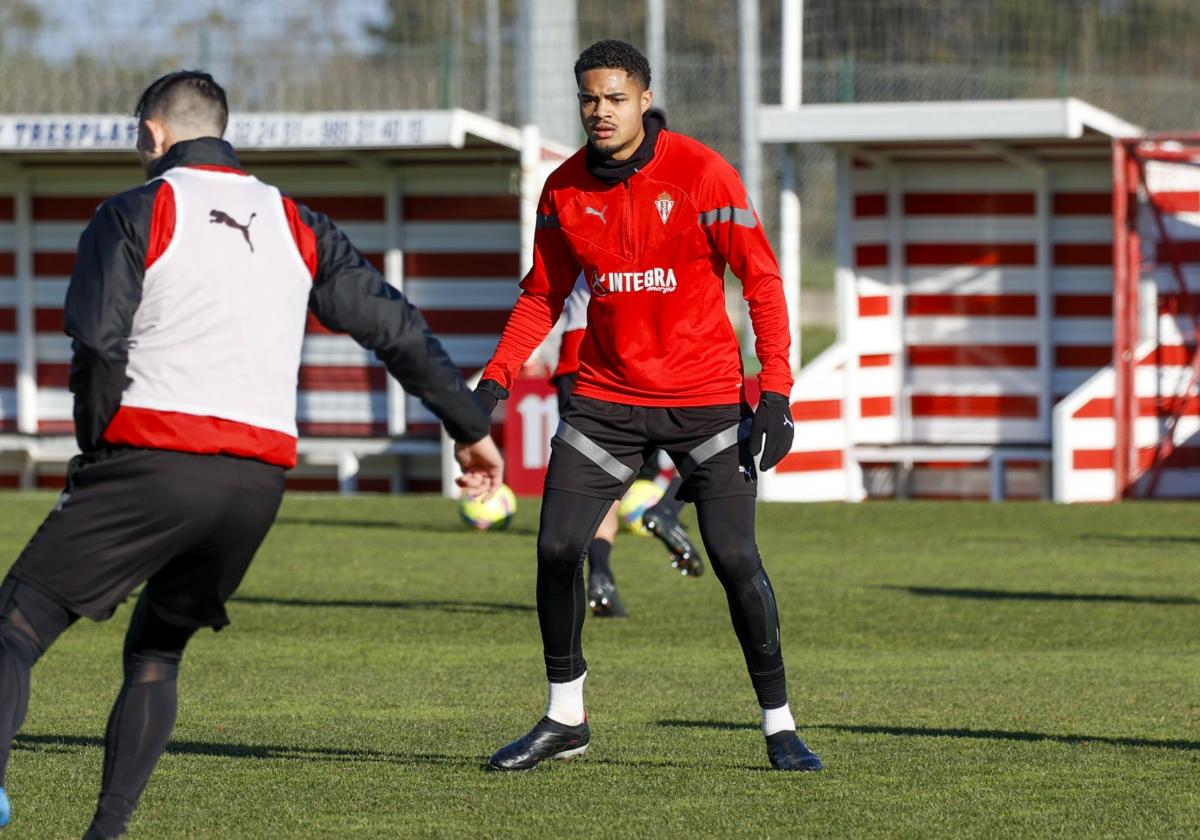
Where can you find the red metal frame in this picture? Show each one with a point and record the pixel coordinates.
(1129, 183)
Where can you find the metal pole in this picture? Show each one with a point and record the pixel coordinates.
(1123, 342)
(492, 23)
(790, 230)
(748, 89)
(656, 49)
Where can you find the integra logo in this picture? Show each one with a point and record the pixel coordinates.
(659, 280)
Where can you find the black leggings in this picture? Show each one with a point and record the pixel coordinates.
(568, 522)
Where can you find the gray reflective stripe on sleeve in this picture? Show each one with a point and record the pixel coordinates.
(547, 221)
(743, 216)
(717, 443)
(593, 451)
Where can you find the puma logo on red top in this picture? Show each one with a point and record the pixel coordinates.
(220, 217)
(592, 211)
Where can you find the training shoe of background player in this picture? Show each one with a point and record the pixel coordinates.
(684, 555)
(603, 597)
(548, 739)
(4, 810)
(788, 752)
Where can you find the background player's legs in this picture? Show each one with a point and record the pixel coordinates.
(662, 521)
(29, 624)
(602, 583)
(727, 528)
(142, 717)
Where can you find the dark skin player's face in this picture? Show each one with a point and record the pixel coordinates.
(610, 107)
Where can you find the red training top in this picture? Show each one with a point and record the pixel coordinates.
(654, 249)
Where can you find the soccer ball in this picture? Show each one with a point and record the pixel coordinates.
(641, 494)
(492, 515)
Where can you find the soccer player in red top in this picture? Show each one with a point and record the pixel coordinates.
(652, 218)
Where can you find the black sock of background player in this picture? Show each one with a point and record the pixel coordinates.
(727, 528)
(599, 553)
(142, 718)
(568, 524)
(670, 505)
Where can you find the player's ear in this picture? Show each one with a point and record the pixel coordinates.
(647, 99)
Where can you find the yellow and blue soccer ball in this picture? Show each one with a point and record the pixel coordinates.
(492, 515)
(642, 494)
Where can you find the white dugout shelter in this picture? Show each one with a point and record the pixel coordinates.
(442, 202)
(1015, 306)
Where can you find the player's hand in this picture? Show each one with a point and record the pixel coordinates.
(488, 393)
(772, 421)
(482, 466)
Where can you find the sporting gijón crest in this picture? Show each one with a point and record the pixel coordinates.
(665, 204)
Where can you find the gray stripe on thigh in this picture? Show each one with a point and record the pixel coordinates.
(593, 451)
(717, 443)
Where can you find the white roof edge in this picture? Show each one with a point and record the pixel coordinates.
(275, 131)
(923, 122)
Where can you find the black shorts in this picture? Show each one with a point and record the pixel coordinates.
(600, 447)
(187, 525)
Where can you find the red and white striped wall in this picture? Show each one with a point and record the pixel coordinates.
(975, 292)
(446, 231)
(1085, 425)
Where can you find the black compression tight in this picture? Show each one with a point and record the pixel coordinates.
(29, 624)
(727, 529)
(568, 522)
(142, 717)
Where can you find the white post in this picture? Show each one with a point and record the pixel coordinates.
(492, 49)
(748, 88)
(27, 390)
(791, 81)
(393, 267)
(530, 187)
(656, 49)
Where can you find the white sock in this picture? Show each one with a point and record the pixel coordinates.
(565, 702)
(777, 720)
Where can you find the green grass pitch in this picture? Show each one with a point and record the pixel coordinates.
(965, 670)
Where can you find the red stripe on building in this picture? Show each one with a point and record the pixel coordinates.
(1083, 306)
(48, 320)
(971, 254)
(8, 320)
(309, 484)
(342, 378)
(973, 355)
(1170, 201)
(466, 321)
(56, 427)
(973, 305)
(462, 265)
(50, 482)
(969, 204)
(1102, 407)
(810, 410)
(347, 208)
(870, 307)
(7, 208)
(1083, 254)
(867, 205)
(1083, 356)
(871, 256)
(874, 360)
(1083, 204)
(461, 208)
(944, 405)
(342, 429)
(53, 374)
(1095, 409)
(9, 481)
(8, 263)
(65, 208)
(818, 461)
(875, 407)
(53, 263)
(423, 485)
(1169, 355)
(8, 375)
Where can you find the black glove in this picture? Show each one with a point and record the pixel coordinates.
(772, 420)
(489, 392)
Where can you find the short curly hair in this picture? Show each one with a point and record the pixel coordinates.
(614, 55)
